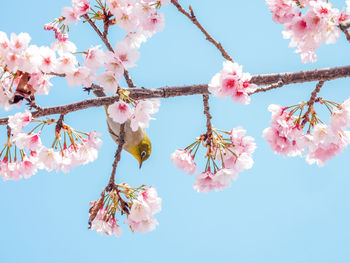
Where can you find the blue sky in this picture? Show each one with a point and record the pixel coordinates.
(282, 210)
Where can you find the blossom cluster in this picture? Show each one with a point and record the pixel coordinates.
(138, 15)
(139, 115)
(17, 57)
(234, 153)
(308, 29)
(321, 142)
(231, 81)
(33, 155)
(139, 204)
(72, 14)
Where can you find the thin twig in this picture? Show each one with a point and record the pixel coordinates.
(95, 208)
(59, 126)
(194, 20)
(8, 131)
(311, 102)
(121, 141)
(109, 47)
(209, 117)
(99, 33)
(276, 85)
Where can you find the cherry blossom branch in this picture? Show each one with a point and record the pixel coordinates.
(95, 208)
(59, 125)
(109, 47)
(121, 141)
(276, 85)
(99, 33)
(311, 102)
(175, 91)
(194, 20)
(8, 131)
(209, 117)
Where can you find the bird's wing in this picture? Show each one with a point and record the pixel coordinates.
(115, 137)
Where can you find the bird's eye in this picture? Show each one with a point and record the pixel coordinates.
(143, 154)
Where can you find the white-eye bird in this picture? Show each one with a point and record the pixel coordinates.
(136, 142)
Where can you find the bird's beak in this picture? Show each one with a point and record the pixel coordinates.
(141, 161)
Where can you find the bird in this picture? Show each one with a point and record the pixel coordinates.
(136, 143)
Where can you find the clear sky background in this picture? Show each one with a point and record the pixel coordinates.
(282, 210)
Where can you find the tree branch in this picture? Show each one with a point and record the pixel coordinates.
(302, 76)
(209, 117)
(311, 102)
(276, 85)
(175, 91)
(99, 33)
(194, 20)
(117, 155)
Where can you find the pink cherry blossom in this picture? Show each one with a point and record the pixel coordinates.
(10, 170)
(30, 141)
(48, 61)
(19, 42)
(222, 179)
(150, 196)
(63, 47)
(31, 60)
(82, 76)
(230, 81)
(48, 159)
(19, 120)
(4, 42)
(154, 23)
(93, 140)
(126, 17)
(309, 29)
(141, 218)
(142, 226)
(241, 142)
(283, 11)
(70, 15)
(184, 161)
(119, 111)
(81, 7)
(13, 60)
(284, 136)
(126, 55)
(101, 226)
(142, 113)
(66, 64)
(94, 58)
(28, 166)
(109, 81)
(204, 182)
(341, 117)
(114, 64)
(325, 143)
(139, 211)
(41, 83)
(113, 5)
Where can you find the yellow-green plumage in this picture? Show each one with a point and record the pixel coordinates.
(136, 143)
